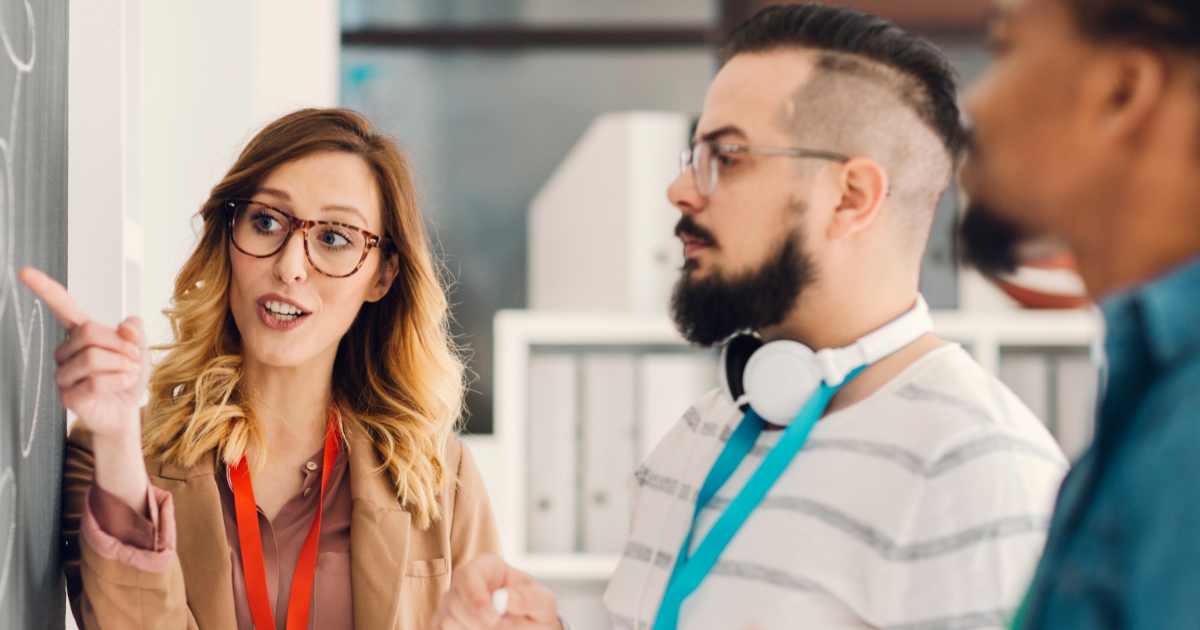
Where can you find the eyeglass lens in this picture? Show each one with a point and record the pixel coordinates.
(702, 160)
(262, 231)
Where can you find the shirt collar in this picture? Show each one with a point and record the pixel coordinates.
(1170, 313)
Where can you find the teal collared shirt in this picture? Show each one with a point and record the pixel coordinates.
(1124, 545)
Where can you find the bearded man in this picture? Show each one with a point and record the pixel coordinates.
(922, 492)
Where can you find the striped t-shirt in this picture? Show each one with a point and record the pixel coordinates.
(924, 506)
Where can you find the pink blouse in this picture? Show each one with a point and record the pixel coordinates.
(116, 531)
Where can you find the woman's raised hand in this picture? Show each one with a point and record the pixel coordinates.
(102, 374)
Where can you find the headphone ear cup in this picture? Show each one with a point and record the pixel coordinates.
(780, 378)
(734, 357)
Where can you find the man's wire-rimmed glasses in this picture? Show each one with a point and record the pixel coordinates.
(337, 250)
(703, 156)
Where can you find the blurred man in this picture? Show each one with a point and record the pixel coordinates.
(1088, 131)
(923, 496)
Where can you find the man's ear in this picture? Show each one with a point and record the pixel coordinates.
(1125, 87)
(384, 276)
(864, 186)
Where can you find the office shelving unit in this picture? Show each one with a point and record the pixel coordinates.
(991, 336)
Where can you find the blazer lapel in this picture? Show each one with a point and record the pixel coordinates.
(379, 531)
(201, 541)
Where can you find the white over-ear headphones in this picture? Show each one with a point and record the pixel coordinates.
(777, 378)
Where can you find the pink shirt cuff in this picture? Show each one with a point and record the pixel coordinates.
(115, 534)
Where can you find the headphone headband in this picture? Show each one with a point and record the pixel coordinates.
(836, 363)
(777, 378)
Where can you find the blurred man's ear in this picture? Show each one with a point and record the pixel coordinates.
(864, 186)
(1124, 88)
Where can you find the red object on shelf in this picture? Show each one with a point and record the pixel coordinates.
(1051, 282)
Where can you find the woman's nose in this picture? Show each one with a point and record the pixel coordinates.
(291, 263)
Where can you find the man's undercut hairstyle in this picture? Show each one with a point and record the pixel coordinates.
(1159, 24)
(874, 91)
(922, 77)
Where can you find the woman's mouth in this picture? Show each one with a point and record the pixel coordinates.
(280, 315)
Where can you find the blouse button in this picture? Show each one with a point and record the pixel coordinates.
(311, 465)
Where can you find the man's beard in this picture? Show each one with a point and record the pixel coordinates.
(987, 241)
(990, 242)
(709, 310)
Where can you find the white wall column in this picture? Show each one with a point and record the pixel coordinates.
(162, 96)
(212, 74)
(102, 223)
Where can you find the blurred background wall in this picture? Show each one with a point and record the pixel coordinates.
(489, 96)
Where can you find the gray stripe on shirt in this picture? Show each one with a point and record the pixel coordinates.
(638, 551)
(951, 460)
(924, 394)
(901, 457)
(888, 548)
(626, 623)
(695, 422)
(647, 478)
(762, 573)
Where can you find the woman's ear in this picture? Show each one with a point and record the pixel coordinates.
(384, 276)
(865, 187)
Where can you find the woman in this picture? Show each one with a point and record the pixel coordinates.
(310, 337)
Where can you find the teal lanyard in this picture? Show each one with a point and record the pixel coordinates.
(689, 572)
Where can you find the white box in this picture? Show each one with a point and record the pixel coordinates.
(609, 458)
(601, 231)
(553, 427)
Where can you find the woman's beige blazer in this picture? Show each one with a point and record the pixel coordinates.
(398, 572)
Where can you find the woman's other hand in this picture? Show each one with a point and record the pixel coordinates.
(102, 374)
(468, 603)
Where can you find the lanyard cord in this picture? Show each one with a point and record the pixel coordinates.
(689, 572)
(253, 566)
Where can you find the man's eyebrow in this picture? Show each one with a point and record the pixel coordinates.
(716, 134)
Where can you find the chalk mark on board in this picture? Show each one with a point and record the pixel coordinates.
(25, 334)
(8, 287)
(8, 480)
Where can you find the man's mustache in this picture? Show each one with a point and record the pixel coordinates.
(688, 226)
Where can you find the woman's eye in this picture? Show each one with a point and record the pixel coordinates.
(333, 238)
(265, 223)
(725, 160)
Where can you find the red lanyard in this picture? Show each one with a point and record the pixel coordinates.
(252, 554)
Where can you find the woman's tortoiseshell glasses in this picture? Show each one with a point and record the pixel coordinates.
(337, 250)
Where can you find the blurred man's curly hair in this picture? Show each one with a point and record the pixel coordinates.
(1159, 24)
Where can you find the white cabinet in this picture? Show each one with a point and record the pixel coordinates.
(582, 397)
(552, 435)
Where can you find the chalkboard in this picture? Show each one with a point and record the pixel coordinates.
(33, 232)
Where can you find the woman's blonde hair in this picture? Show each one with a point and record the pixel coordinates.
(398, 375)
